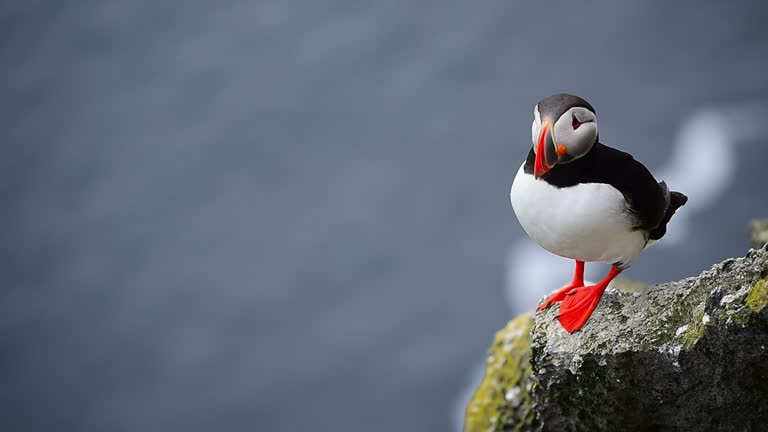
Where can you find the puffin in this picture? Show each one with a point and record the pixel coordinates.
(581, 199)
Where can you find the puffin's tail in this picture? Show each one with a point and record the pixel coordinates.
(675, 200)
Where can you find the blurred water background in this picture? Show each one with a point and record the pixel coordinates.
(293, 215)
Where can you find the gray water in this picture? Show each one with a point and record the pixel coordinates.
(282, 216)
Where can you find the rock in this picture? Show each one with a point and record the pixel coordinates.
(759, 233)
(503, 399)
(682, 356)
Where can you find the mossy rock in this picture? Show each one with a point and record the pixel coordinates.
(503, 401)
(679, 356)
(684, 355)
(759, 233)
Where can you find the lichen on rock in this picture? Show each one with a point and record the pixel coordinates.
(757, 298)
(503, 402)
(759, 233)
(685, 355)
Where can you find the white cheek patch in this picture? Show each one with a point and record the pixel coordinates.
(578, 141)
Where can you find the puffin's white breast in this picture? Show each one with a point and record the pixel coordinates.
(587, 222)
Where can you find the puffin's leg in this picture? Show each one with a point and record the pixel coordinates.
(578, 304)
(578, 281)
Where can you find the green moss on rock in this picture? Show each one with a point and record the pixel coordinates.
(695, 329)
(503, 400)
(757, 298)
(759, 233)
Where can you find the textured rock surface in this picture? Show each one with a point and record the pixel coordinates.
(685, 355)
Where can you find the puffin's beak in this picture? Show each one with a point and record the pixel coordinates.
(546, 151)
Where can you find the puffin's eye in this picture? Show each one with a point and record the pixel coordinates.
(575, 122)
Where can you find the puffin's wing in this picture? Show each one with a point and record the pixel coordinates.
(665, 191)
(647, 200)
(676, 200)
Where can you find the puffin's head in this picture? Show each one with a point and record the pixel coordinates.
(564, 129)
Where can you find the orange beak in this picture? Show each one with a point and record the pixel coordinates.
(546, 152)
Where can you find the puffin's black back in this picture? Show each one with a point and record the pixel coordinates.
(651, 203)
